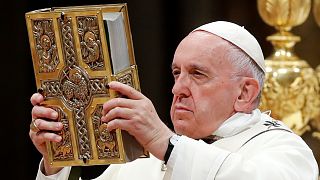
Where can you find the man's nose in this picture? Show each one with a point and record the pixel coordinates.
(181, 86)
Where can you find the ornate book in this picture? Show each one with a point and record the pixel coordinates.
(76, 51)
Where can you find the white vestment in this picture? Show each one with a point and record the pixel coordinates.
(252, 146)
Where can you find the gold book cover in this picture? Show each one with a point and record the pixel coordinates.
(76, 51)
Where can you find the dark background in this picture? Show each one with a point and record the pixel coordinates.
(157, 27)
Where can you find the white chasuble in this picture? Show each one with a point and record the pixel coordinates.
(252, 146)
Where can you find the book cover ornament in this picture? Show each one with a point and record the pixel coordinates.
(76, 51)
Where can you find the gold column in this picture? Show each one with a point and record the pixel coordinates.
(291, 89)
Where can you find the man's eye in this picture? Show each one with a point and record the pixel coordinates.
(175, 73)
(197, 74)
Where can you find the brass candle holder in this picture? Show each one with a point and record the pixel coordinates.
(291, 89)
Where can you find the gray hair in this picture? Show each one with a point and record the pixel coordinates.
(246, 67)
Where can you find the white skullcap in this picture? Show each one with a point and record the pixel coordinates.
(238, 36)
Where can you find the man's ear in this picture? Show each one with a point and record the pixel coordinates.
(249, 92)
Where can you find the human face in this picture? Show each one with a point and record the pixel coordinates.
(204, 89)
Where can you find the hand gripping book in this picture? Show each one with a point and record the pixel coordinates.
(76, 51)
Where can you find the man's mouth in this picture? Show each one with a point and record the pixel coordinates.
(181, 108)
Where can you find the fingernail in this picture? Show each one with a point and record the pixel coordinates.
(58, 138)
(54, 114)
(40, 91)
(59, 126)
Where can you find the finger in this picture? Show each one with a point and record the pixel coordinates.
(36, 99)
(44, 112)
(118, 112)
(41, 137)
(44, 125)
(119, 123)
(126, 90)
(117, 102)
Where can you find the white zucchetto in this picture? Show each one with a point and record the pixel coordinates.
(238, 36)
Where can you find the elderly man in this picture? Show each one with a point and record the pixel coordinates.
(219, 71)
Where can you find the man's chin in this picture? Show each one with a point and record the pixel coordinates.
(181, 127)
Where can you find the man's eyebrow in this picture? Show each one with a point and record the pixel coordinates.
(199, 67)
(173, 66)
(192, 66)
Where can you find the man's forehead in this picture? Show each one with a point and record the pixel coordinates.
(238, 36)
(204, 35)
(190, 65)
(200, 42)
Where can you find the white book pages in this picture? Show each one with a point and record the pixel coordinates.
(117, 41)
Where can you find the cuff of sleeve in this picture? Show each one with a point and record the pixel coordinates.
(192, 158)
(61, 175)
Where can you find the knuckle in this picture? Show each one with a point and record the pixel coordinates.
(145, 104)
(34, 110)
(112, 124)
(117, 101)
(39, 123)
(116, 111)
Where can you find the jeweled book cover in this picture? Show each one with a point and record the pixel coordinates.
(76, 51)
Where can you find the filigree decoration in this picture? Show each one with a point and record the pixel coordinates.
(50, 89)
(45, 45)
(98, 86)
(82, 132)
(91, 51)
(126, 79)
(72, 73)
(68, 41)
(63, 150)
(74, 87)
(106, 141)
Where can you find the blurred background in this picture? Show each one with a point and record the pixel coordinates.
(157, 27)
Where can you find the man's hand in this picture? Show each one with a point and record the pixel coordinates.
(137, 115)
(46, 128)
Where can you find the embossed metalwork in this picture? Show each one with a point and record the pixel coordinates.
(72, 68)
(75, 88)
(91, 51)
(316, 122)
(126, 79)
(68, 41)
(45, 45)
(50, 88)
(98, 86)
(290, 94)
(284, 14)
(63, 149)
(291, 89)
(106, 141)
(316, 11)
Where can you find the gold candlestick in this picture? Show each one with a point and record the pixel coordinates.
(291, 89)
(316, 13)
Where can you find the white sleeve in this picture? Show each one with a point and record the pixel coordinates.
(284, 159)
(191, 159)
(61, 175)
